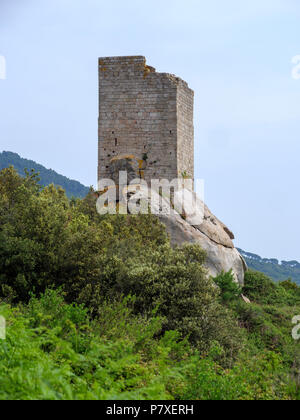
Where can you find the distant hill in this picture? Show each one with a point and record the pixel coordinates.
(279, 271)
(47, 176)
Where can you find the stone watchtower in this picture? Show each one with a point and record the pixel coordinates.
(146, 128)
(144, 116)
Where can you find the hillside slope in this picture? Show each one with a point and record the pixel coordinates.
(102, 307)
(47, 176)
(278, 271)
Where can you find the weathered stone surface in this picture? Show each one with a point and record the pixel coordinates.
(146, 129)
(215, 230)
(124, 163)
(189, 206)
(219, 257)
(146, 114)
(197, 214)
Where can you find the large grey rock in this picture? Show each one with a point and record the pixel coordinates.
(198, 215)
(186, 217)
(219, 257)
(212, 235)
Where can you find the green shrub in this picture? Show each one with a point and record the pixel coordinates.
(47, 241)
(230, 290)
(102, 307)
(55, 351)
(261, 289)
(290, 285)
(250, 379)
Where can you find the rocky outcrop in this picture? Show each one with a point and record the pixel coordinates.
(197, 225)
(219, 257)
(186, 217)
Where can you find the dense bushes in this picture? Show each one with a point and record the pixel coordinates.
(47, 241)
(229, 289)
(268, 320)
(261, 289)
(104, 307)
(54, 351)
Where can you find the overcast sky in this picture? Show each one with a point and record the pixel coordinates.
(236, 55)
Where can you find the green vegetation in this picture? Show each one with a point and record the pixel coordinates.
(278, 271)
(102, 307)
(54, 351)
(229, 290)
(47, 176)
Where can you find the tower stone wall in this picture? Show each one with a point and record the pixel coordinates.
(145, 115)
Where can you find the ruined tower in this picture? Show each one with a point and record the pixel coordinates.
(145, 115)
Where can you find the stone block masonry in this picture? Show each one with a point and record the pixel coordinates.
(145, 115)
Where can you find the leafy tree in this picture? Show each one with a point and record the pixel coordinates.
(230, 290)
(48, 241)
(102, 307)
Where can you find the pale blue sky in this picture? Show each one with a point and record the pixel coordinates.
(235, 55)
